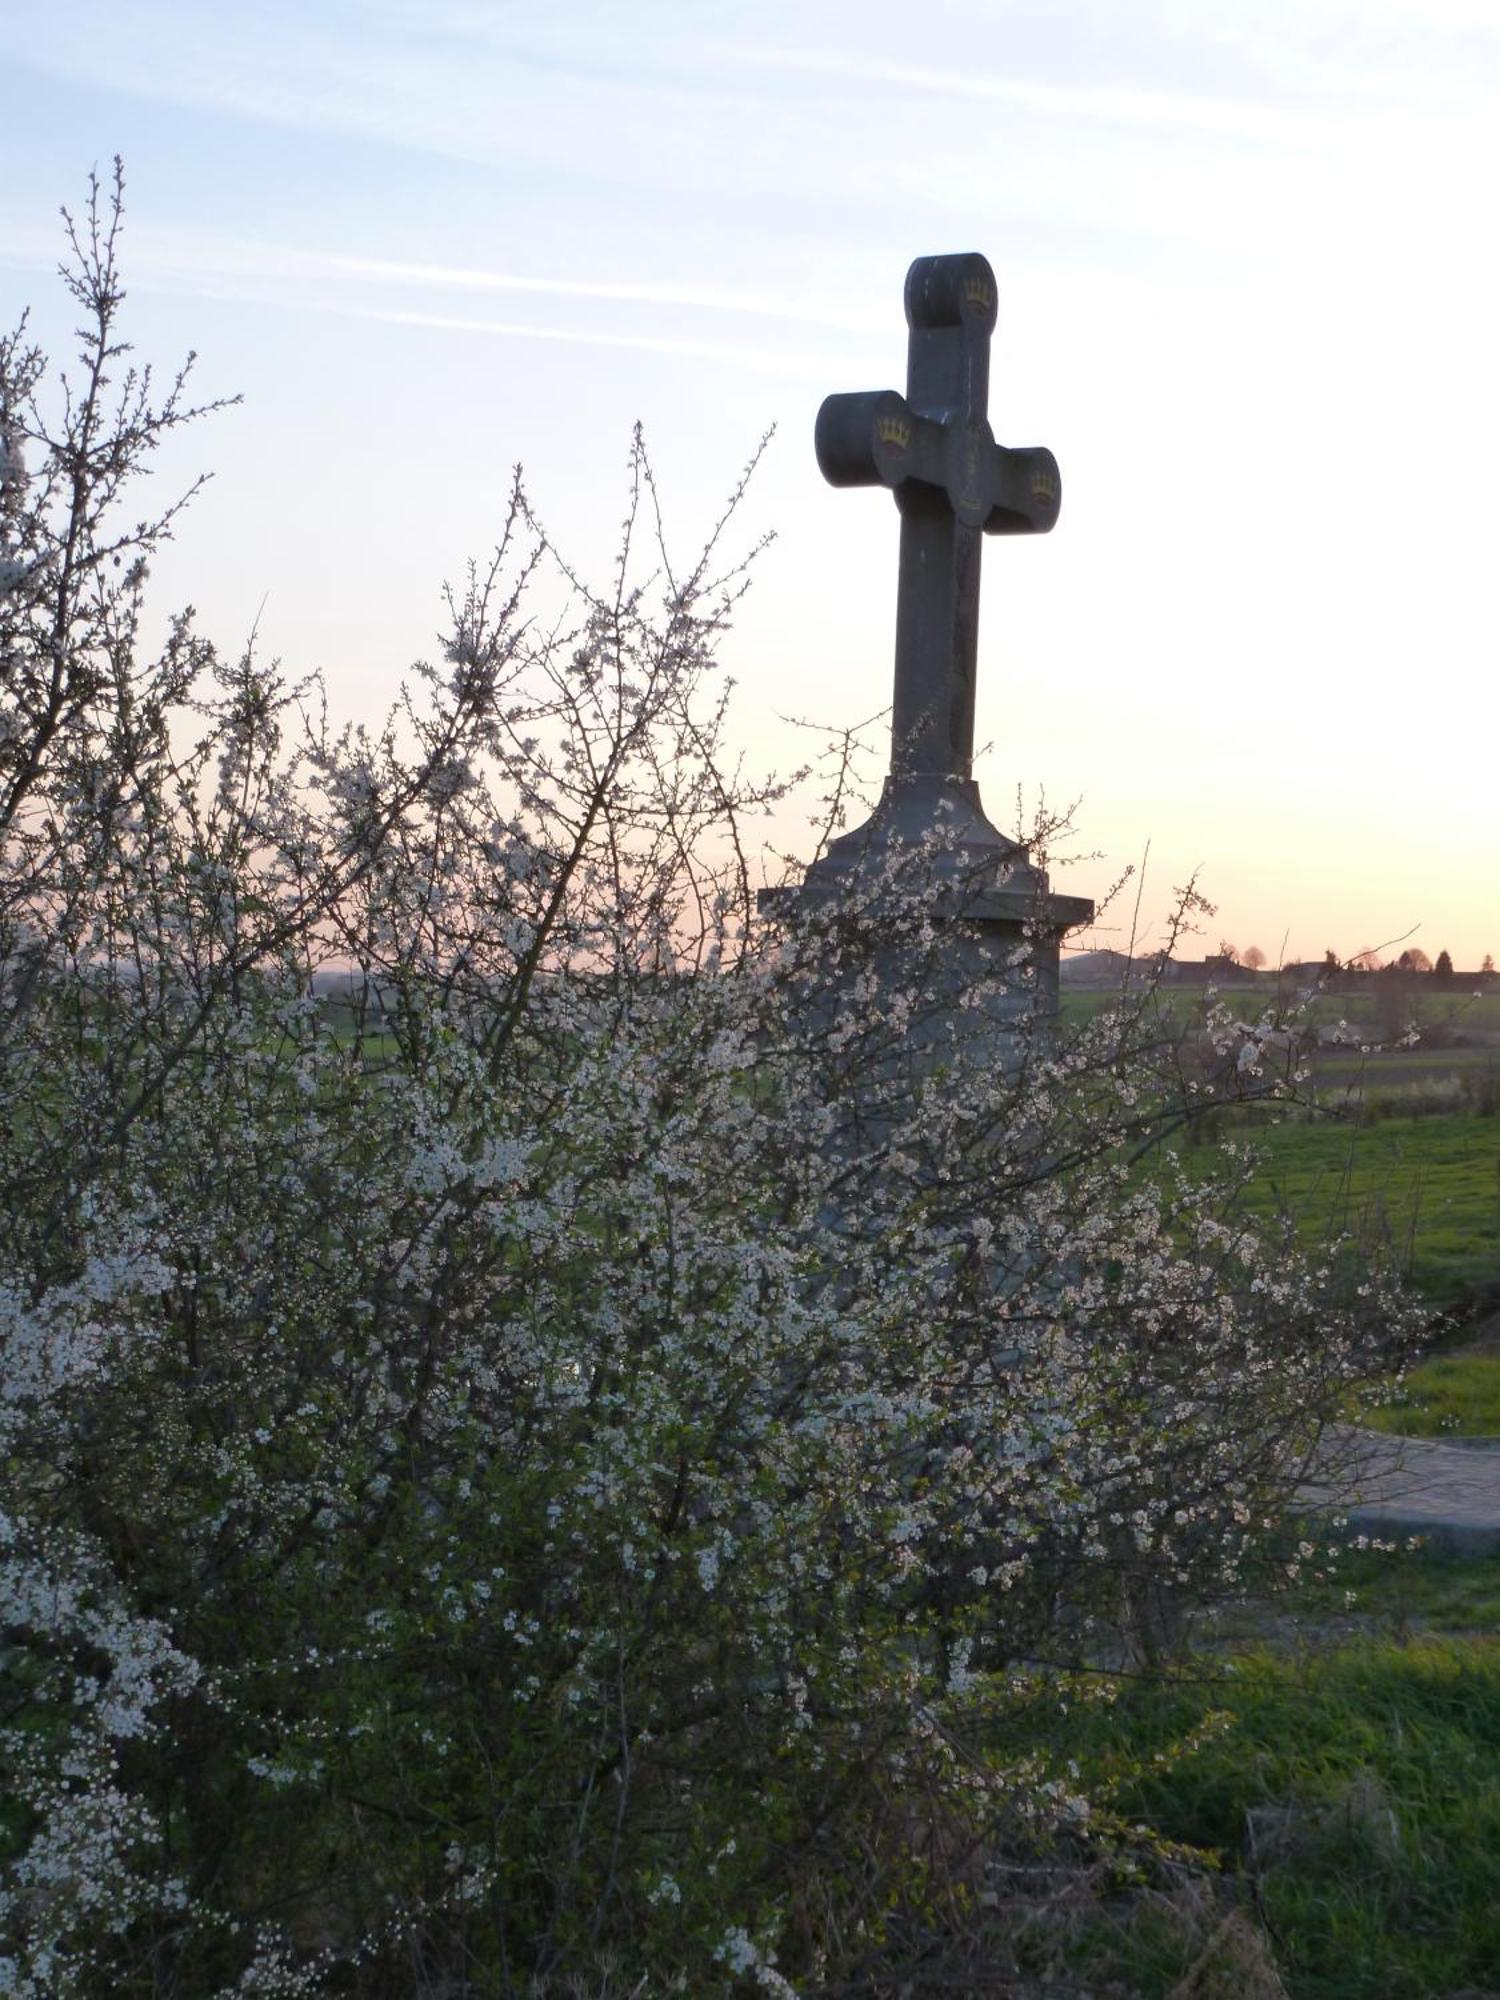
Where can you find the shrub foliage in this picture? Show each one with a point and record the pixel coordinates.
(531, 1421)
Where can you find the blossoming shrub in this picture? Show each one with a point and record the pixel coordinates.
(532, 1425)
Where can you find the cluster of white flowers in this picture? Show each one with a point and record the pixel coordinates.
(515, 1371)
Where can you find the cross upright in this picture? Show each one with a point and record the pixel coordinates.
(953, 484)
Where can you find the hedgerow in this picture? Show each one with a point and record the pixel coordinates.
(536, 1410)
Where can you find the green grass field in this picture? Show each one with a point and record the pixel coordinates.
(1450, 1395)
(1337, 1753)
(1267, 986)
(1450, 1009)
(1476, 1013)
(1333, 1756)
(1424, 1191)
(1393, 1070)
(1351, 1797)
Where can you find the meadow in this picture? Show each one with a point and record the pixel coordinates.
(1345, 1790)
(1388, 1148)
(1333, 1753)
(1421, 1193)
(1421, 1190)
(1475, 1011)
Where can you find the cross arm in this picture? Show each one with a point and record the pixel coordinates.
(875, 438)
(1025, 491)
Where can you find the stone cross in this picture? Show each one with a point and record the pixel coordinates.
(935, 450)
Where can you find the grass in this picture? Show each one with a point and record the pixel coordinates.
(1425, 1191)
(1344, 1778)
(1394, 1596)
(1460, 1007)
(1395, 1067)
(1353, 1794)
(1343, 1770)
(1452, 1395)
(1457, 1007)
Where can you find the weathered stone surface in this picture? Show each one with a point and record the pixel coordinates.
(953, 484)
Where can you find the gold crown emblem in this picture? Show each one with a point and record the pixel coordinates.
(893, 431)
(978, 293)
(1043, 485)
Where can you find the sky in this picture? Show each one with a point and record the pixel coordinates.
(1248, 296)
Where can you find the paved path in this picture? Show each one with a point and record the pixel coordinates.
(1394, 1487)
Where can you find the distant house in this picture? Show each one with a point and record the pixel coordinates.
(1218, 965)
(1094, 969)
(1217, 969)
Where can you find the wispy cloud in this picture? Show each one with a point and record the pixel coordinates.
(762, 360)
(231, 257)
(362, 288)
(460, 88)
(1151, 109)
(656, 111)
